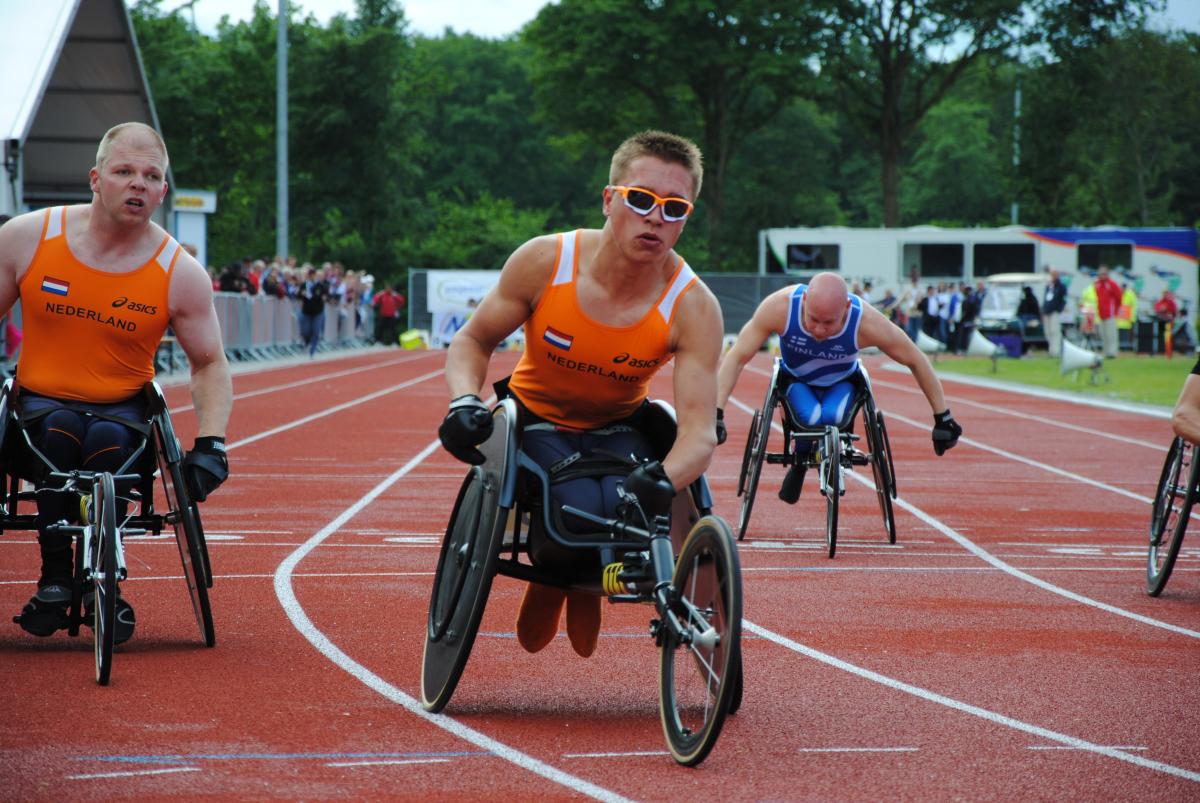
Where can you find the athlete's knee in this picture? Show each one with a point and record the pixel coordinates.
(106, 446)
(61, 438)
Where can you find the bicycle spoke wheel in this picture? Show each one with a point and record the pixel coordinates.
(1172, 508)
(752, 463)
(880, 465)
(104, 571)
(699, 672)
(193, 553)
(831, 476)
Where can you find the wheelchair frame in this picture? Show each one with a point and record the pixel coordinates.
(1178, 489)
(98, 547)
(699, 636)
(832, 454)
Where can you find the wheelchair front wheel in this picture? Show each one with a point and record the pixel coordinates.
(1172, 508)
(102, 555)
(700, 671)
(831, 484)
(466, 567)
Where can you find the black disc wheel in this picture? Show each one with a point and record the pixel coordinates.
(752, 463)
(831, 484)
(184, 517)
(700, 668)
(1173, 502)
(104, 573)
(881, 467)
(466, 567)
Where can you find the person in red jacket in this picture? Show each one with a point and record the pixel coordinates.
(388, 306)
(1108, 301)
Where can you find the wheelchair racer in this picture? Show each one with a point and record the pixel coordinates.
(99, 285)
(821, 329)
(603, 311)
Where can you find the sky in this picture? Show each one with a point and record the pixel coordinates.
(487, 18)
(496, 18)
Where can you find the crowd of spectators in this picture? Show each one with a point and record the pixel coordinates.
(349, 294)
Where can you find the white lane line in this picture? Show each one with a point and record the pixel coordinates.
(129, 774)
(857, 749)
(1069, 747)
(967, 708)
(1024, 417)
(388, 762)
(295, 612)
(987, 557)
(306, 382)
(331, 410)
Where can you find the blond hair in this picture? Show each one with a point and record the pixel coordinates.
(660, 145)
(114, 133)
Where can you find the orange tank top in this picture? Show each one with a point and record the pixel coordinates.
(580, 373)
(90, 335)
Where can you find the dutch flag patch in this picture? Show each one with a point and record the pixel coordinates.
(56, 286)
(558, 339)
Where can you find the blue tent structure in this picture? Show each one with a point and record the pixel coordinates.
(69, 70)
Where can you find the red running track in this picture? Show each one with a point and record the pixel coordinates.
(1004, 648)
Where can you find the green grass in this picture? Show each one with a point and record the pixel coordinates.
(1133, 378)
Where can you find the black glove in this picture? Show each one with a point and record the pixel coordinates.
(945, 432)
(722, 433)
(653, 488)
(466, 425)
(205, 467)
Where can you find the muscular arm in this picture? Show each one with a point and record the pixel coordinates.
(1186, 418)
(501, 312)
(18, 243)
(199, 334)
(698, 334)
(770, 318)
(876, 330)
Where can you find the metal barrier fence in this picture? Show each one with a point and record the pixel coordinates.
(260, 327)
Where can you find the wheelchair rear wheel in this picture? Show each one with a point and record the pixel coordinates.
(831, 484)
(881, 466)
(102, 546)
(183, 516)
(1177, 488)
(466, 567)
(752, 463)
(700, 673)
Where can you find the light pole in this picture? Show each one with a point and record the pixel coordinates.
(281, 135)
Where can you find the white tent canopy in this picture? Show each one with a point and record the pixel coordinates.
(71, 70)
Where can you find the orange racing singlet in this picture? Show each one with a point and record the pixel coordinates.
(90, 335)
(580, 373)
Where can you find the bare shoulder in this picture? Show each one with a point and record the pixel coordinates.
(527, 269)
(191, 287)
(19, 239)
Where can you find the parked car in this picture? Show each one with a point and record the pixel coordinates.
(1009, 311)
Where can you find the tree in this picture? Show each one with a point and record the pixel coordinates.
(715, 70)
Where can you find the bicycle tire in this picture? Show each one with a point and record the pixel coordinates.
(698, 680)
(103, 548)
(1173, 503)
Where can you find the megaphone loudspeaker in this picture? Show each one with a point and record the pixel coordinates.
(980, 346)
(929, 345)
(1073, 358)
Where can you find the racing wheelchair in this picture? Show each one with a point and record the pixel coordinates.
(832, 452)
(1178, 489)
(696, 594)
(151, 485)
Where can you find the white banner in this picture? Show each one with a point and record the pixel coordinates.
(455, 290)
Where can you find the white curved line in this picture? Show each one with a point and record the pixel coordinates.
(967, 708)
(295, 612)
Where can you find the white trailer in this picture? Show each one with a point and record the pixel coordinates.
(1148, 259)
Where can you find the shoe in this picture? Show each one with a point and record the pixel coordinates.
(125, 620)
(583, 622)
(789, 491)
(537, 621)
(46, 612)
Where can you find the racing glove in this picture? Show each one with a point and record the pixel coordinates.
(467, 424)
(945, 432)
(722, 433)
(652, 487)
(205, 467)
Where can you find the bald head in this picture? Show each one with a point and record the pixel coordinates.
(825, 303)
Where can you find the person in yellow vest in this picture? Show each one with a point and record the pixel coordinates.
(1087, 313)
(99, 284)
(1127, 314)
(603, 311)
